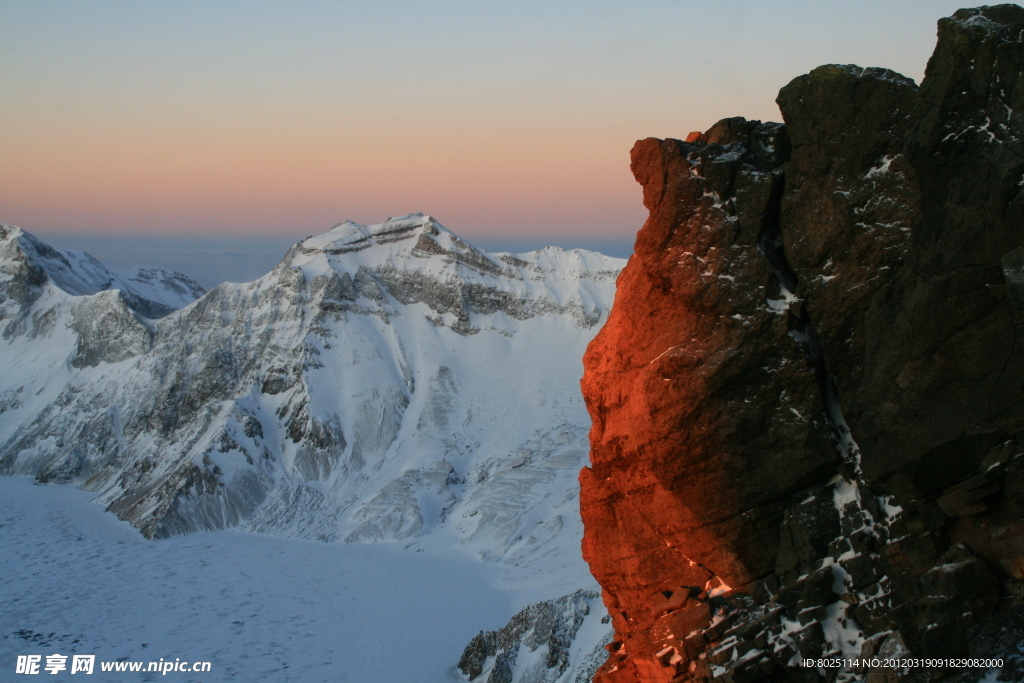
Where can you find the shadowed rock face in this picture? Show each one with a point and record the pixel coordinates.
(808, 400)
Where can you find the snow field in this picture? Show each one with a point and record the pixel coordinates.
(75, 580)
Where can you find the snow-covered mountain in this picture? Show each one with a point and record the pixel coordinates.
(25, 263)
(386, 382)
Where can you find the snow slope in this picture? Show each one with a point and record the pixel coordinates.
(77, 581)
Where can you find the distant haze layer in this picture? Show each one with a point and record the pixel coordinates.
(510, 122)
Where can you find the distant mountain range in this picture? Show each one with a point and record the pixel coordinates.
(384, 382)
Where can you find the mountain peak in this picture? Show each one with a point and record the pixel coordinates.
(151, 292)
(350, 236)
(415, 235)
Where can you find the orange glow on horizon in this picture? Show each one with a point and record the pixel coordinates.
(151, 178)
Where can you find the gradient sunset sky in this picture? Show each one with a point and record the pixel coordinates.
(508, 122)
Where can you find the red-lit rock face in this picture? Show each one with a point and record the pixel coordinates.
(807, 401)
(695, 393)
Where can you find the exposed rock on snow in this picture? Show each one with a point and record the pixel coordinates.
(807, 401)
(541, 644)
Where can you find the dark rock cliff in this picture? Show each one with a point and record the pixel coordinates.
(808, 400)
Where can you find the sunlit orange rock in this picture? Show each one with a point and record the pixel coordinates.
(703, 422)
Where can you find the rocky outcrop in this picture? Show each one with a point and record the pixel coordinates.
(546, 642)
(808, 400)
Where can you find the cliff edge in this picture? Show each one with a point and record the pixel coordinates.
(808, 399)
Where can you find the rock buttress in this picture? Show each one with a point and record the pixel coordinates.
(808, 400)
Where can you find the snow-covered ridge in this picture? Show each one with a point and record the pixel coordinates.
(416, 260)
(151, 292)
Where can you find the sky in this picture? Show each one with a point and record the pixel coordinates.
(128, 126)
